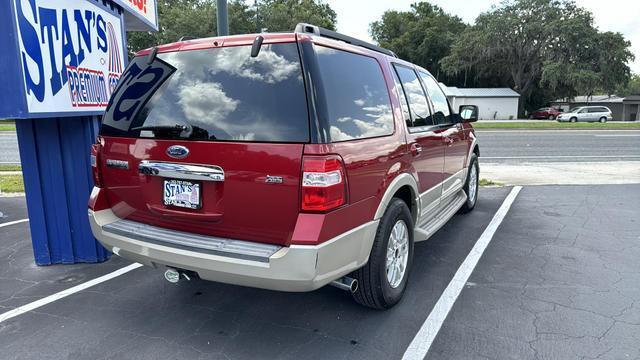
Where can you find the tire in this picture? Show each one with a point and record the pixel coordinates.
(551, 117)
(573, 119)
(603, 119)
(375, 290)
(470, 204)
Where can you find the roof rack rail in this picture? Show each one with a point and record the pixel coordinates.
(316, 30)
(187, 38)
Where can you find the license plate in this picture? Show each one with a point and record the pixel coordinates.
(180, 193)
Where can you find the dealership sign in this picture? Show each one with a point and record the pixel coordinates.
(71, 52)
(141, 15)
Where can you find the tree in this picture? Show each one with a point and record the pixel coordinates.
(284, 15)
(541, 43)
(422, 35)
(631, 88)
(197, 18)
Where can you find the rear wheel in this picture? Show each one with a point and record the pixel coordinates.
(603, 119)
(471, 186)
(551, 117)
(574, 119)
(382, 281)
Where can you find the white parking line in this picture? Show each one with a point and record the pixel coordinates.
(618, 135)
(424, 338)
(13, 222)
(563, 157)
(64, 293)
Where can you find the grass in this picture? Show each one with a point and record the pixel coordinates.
(9, 167)
(558, 125)
(487, 182)
(10, 183)
(7, 125)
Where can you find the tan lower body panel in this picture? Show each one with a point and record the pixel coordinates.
(294, 268)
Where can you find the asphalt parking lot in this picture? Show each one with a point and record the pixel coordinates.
(559, 280)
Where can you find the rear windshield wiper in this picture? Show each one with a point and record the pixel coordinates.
(176, 127)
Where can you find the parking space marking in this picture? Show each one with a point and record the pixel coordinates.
(563, 157)
(421, 343)
(64, 293)
(13, 222)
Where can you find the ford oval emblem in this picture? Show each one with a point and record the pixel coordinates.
(177, 151)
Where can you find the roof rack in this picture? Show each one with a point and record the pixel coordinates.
(316, 30)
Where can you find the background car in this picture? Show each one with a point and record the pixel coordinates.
(587, 113)
(545, 113)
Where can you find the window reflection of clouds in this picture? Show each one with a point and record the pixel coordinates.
(234, 96)
(357, 96)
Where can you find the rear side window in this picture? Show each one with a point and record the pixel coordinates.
(418, 105)
(358, 104)
(441, 111)
(212, 94)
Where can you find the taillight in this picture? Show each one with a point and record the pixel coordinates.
(95, 163)
(323, 183)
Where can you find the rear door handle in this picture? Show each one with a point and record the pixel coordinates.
(449, 140)
(416, 149)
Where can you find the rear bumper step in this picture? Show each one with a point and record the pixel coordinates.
(212, 245)
(289, 268)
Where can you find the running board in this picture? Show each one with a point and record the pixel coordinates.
(426, 229)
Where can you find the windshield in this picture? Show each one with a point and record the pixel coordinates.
(212, 94)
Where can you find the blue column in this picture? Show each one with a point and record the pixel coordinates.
(57, 175)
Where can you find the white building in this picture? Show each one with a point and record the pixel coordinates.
(493, 103)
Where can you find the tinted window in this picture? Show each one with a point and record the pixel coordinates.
(212, 94)
(418, 105)
(441, 111)
(595, 110)
(358, 103)
(404, 104)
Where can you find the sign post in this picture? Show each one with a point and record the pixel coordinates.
(60, 62)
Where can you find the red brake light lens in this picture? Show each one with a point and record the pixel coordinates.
(323, 183)
(95, 164)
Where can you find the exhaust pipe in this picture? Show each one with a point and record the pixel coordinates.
(174, 275)
(346, 283)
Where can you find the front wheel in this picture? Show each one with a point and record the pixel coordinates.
(471, 186)
(382, 281)
(573, 119)
(551, 117)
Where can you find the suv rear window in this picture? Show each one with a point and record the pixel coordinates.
(212, 94)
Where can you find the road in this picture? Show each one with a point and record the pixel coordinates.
(517, 146)
(9, 153)
(504, 146)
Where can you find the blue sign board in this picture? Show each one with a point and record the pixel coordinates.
(65, 57)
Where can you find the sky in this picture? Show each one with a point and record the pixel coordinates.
(354, 16)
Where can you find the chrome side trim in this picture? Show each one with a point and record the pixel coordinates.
(181, 171)
(213, 245)
(455, 183)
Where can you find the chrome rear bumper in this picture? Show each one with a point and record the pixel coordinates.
(288, 268)
(194, 242)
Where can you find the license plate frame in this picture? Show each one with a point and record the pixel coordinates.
(174, 199)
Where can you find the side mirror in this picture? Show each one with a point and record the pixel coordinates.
(468, 113)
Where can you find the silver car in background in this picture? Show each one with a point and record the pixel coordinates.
(587, 113)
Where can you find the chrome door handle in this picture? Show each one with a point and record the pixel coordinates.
(448, 140)
(181, 171)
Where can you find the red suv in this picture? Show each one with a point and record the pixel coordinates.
(545, 113)
(280, 161)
